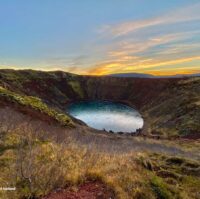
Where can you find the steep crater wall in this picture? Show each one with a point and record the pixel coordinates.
(136, 92)
(170, 107)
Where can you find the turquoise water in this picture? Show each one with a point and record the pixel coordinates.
(107, 115)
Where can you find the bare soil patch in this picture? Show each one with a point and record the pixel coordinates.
(88, 190)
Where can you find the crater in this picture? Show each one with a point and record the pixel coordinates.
(107, 115)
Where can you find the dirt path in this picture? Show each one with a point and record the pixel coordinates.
(111, 143)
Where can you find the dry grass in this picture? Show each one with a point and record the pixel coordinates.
(37, 167)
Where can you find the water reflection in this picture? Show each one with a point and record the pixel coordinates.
(110, 116)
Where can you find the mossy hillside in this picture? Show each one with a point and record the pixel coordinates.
(58, 88)
(172, 177)
(16, 78)
(36, 104)
(176, 111)
(25, 75)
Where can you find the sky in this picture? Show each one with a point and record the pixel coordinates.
(101, 37)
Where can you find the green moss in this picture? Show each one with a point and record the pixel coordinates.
(173, 176)
(36, 104)
(191, 187)
(76, 88)
(160, 188)
(183, 98)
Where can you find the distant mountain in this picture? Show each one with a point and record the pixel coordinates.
(180, 75)
(136, 75)
(196, 75)
(143, 75)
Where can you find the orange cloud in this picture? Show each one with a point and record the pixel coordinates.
(142, 65)
(164, 63)
(103, 69)
(174, 72)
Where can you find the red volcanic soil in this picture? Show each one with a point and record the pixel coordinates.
(89, 190)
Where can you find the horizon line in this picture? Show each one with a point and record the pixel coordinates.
(55, 70)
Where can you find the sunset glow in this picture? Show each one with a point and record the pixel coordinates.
(100, 38)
